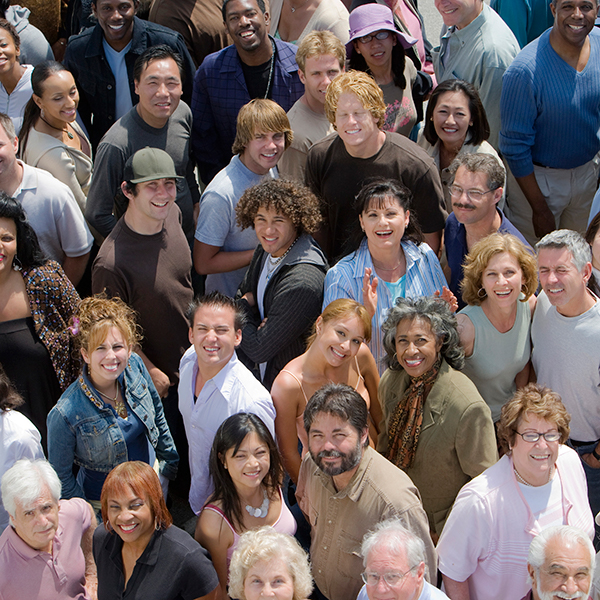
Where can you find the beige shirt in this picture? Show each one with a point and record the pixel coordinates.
(339, 520)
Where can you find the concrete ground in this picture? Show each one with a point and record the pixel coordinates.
(433, 21)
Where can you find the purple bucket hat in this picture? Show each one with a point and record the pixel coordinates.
(369, 18)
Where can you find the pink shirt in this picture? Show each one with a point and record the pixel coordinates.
(487, 535)
(29, 574)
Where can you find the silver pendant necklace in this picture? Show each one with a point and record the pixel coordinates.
(260, 512)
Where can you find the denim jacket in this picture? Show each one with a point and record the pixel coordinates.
(80, 431)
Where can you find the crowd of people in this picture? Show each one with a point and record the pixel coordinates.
(332, 287)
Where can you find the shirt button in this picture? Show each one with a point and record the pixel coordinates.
(109, 87)
(329, 521)
(320, 571)
(324, 547)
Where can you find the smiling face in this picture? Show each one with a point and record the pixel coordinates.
(160, 90)
(318, 73)
(9, 55)
(150, 205)
(469, 211)
(115, 17)
(573, 20)
(8, 244)
(452, 118)
(564, 285)
(250, 464)
(263, 151)
(214, 336)
(269, 579)
(377, 53)
(384, 225)
(107, 361)
(534, 461)
(275, 232)
(356, 126)
(340, 339)
(247, 25)
(417, 348)
(458, 12)
(36, 524)
(131, 517)
(59, 100)
(502, 280)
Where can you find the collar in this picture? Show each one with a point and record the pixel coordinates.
(362, 258)
(29, 180)
(471, 28)
(223, 381)
(95, 48)
(149, 556)
(26, 551)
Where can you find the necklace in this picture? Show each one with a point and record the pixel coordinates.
(262, 510)
(301, 6)
(271, 68)
(392, 269)
(272, 263)
(119, 404)
(69, 134)
(521, 480)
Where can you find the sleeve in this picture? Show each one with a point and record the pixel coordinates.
(490, 90)
(197, 576)
(84, 110)
(338, 285)
(62, 442)
(74, 235)
(106, 182)
(296, 304)
(27, 445)
(428, 196)
(106, 280)
(215, 219)
(434, 268)
(515, 15)
(189, 69)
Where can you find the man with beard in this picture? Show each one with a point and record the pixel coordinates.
(560, 564)
(345, 488)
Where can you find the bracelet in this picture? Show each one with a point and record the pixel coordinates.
(596, 455)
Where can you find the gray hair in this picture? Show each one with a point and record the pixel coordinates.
(571, 240)
(24, 482)
(567, 534)
(8, 125)
(266, 544)
(480, 163)
(392, 535)
(443, 325)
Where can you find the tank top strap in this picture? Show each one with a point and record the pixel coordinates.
(222, 515)
(298, 382)
(360, 377)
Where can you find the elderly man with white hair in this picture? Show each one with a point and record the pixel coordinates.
(560, 564)
(394, 560)
(45, 554)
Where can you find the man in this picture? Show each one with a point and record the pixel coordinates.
(560, 564)
(345, 488)
(551, 124)
(47, 550)
(102, 60)
(394, 561)
(477, 46)
(320, 57)
(50, 206)
(221, 249)
(255, 66)
(214, 385)
(146, 261)
(475, 192)
(564, 333)
(337, 166)
(159, 120)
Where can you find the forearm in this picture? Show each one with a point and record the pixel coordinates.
(531, 190)
(74, 267)
(434, 241)
(456, 590)
(207, 263)
(91, 575)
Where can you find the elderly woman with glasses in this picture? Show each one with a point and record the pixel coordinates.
(539, 482)
(436, 427)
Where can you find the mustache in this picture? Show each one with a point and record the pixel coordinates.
(462, 205)
(330, 454)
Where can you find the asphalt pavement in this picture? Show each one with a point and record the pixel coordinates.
(433, 21)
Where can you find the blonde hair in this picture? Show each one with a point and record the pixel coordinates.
(260, 115)
(363, 86)
(320, 43)
(338, 309)
(478, 259)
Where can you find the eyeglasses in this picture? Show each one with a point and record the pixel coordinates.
(380, 35)
(474, 195)
(391, 578)
(534, 436)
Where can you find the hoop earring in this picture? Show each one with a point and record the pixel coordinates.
(480, 295)
(17, 265)
(524, 289)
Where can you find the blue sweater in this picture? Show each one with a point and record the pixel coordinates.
(549, 111)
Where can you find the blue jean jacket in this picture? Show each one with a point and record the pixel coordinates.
(81, 432)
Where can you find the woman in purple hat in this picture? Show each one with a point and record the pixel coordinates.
(378, 48)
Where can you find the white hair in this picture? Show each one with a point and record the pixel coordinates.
(24, 483)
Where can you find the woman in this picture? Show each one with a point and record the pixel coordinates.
(538, 483)
(436, 426)
(50, 137)
(388, 246)
(112, 412)
(282, 291)
(245, 469)
(264, 556)
(336, 354)
(37, 302)
(455, 123)
(138, 550)
(378, 48)
(292, 21)
(592, 237)
(499, 283)
(15, 79)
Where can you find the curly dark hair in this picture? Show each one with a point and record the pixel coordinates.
(9, 397)
(288, 198)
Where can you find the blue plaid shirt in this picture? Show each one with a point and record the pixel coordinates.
(219, 93)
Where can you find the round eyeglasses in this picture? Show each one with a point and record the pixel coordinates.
(474, 195)
(380, 35)
(534, 436)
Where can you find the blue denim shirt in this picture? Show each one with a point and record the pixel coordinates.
(79, 432)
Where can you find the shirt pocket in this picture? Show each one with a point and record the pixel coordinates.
(95, 445)
(349, 560)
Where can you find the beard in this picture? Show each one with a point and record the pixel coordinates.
(553, 595)
(348, 461)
